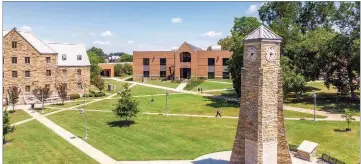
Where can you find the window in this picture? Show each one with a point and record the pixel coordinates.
(146, 61)
(27, 60)
(27, 73)
(162, 73)
(64, 72)
(210, 75)
(163, 61)
(27, 88)
(225, 75)
(48, 72)
(79, 71)
(211, 61)
(78, 57)
(63, 57)
(14, 44)
(14, 73)
(47, 59)
(185, 57)
(80, 86)
(14, 60)
(225, 61)
(145, 73)
(47, 85)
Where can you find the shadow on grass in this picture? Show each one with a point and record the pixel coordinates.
(341, 130)
(215, 102)
(121, 123)
(310, 89)
(211, 161)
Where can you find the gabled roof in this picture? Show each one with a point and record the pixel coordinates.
(34, 41)
(194, 48)
(71, 51)
(262, 33)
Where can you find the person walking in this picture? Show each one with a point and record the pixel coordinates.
(219, 112)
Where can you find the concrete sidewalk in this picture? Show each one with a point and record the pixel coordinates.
(181, 86)
(72, 139)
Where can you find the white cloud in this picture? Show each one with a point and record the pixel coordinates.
(25, 28)
(130, 42)
(177, 20)
(92, 34)
(101, 42)
(212, 34)
(106, 33)
(252, 9)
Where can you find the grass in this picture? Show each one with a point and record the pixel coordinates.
(18, 115)
(67, 105)
(227, 93)
(194, 105)
(327, 100)
(209, 85)
(118, 85)
(167, 83)
(155, 137)
(221, 80)
(294, 114)
(32, 142)
(143, 90)
(46, 110)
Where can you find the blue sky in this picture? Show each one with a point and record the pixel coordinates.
(127, 26)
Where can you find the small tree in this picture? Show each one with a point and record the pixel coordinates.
(42, 94)
(99, 83)
(7, 128)
(14, 93)
(348, 115)
(62, 91)
(127, 107)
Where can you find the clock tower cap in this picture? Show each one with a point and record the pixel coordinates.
(262, 34)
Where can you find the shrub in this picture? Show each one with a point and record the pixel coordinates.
(193, 83)
(74, 96)
(88, 95)
(99, 94)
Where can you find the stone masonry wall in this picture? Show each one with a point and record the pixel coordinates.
(72, 79)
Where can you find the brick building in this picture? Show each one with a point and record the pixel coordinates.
(182, 63)
(29, 62)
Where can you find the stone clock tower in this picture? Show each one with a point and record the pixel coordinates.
(260, 137)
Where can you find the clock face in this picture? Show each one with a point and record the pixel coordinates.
(251, 53)
(271, 54)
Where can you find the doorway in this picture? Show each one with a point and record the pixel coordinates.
(185, 73)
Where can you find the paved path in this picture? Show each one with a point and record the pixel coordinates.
(330, 116)
(216, 90)
(72, 139)
(182, 85)
(219, 82)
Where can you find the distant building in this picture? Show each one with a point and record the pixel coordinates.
(29, 62)
(181, 63)
(113, 59)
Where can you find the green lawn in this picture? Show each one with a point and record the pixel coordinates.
(194, 105)
(327, 100)
(117, 84)
(46, 110)
(294, 114)
(221, 80)
(227, 93)
(34, 143)
(154, 137)
(143, 90)
(208, 85)
(17, 116)
(66, 105)
(167, 83)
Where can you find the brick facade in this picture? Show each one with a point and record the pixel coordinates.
(43, 68)
(198, 65)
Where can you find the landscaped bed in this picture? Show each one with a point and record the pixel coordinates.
(32, 142)
(154, 137)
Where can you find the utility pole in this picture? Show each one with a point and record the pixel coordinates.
(166, 103)
(314, 107)
(85, 120)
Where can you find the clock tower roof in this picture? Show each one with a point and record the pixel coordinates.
(262, 33)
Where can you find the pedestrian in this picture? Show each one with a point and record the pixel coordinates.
(219, 112)
(199, 90)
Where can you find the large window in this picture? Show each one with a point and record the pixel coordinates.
(163, 61)
(48, 60)
(162, 73)
(210, 75)
(146, 61)
(185, 57)
(14, 44)
(145, 73)
(14, 60)
(27, 73)
(27, 88)
(79, 71)
(27, 60)
(14, 73)
(225, 75)
(48, 72)
(225, 61)
(211, 61)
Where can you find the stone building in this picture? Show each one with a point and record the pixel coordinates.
(29, 62)
(181, 63)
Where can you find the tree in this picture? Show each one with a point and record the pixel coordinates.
(127, 69)
(99, 83)
(62, 91)
(242, 27)
(95, 59)
(127, 107)
(126, 58)
(42, 93)
(348, 115)
(13, 93)
(7, 128)
(292, 81)
(97, 51)
(118, 70)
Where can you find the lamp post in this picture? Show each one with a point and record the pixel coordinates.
(84, 113)
(166, 103)
(314, 107)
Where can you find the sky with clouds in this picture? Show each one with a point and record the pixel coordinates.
(127, 26)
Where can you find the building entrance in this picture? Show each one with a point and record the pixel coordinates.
(185, 73)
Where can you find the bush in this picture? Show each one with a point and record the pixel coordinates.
(88, 95)
(74, 96)
(99, 94)
(123, 69)
(193, 83)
